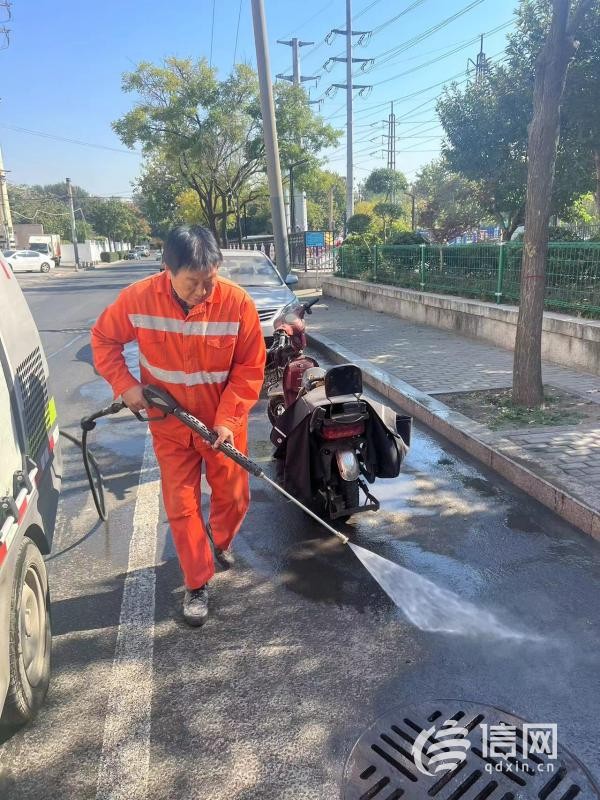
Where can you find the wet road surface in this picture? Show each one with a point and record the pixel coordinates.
(302, 650)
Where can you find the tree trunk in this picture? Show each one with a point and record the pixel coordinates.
(224, 240)
(550, 74)
(597, 191)
(238, 223)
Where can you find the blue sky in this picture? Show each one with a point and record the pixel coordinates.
(62, 72)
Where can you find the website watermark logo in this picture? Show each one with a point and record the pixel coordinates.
(445, 747)
(520, 751)
(505, 748)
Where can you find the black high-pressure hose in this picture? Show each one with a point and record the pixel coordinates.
(92, 470)
(162, 401)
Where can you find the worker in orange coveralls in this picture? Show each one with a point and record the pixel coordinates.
(199, 338)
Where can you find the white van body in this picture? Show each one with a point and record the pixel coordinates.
(30, 475)
(47, 245)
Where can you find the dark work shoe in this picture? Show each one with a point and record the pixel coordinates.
(225, 557)
(195, 606)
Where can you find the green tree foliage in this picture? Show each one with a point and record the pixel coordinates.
(388, 212)
(359, 223)
(448, 203)
(408, 237)
(386, 183)
(48, 206)
(486, 142)
(318, 183)
(580, 114)
(486, 123)
(583, 210)
(156, 193)
(118, 221)
(209, 132)
(94, 216)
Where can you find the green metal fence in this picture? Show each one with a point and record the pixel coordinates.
(486, 271)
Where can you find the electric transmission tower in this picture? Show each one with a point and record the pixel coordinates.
(349, 86)
(481, 66)
(297, 199)
(296, 78)
(391, 137)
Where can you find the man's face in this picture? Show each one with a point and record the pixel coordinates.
(194, 286)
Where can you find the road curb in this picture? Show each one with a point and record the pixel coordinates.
(534, 477)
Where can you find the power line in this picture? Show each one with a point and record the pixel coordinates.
(441, 57)
(237, 31)
(310, 19)
(411, 7)
(365, 9)
(45, 135)
(212, 33)
(419, 92)
(386, 55)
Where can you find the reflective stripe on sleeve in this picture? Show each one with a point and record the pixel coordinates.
(180, 377)
(187, 328)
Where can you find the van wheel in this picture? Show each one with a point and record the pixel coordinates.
(45, 267)
(30, 638)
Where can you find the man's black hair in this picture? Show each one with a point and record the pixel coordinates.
(191, 247)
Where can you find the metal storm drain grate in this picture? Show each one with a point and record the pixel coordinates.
(455, 750)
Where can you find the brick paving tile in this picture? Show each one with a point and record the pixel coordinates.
(438, 361)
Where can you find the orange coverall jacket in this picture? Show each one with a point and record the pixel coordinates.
(211, 361)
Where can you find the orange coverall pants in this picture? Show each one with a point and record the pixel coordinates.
(180, 468)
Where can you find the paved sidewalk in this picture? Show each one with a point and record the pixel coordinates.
(440, 362)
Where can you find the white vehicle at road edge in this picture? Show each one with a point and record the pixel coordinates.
(28, 261)
(30, 477)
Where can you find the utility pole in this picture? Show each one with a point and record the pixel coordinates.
(270, 134)
(349, 116)
(8, 236)
(349, 87)
(73, 227)
(297, 202)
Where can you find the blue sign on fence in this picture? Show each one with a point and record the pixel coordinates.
(314, 239)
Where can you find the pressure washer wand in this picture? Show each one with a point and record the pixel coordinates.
(162, 400)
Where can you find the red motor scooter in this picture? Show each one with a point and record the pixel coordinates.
(286, 361)
(331, 441)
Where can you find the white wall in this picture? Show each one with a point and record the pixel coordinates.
(89, 252)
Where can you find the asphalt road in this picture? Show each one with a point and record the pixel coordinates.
(303, 650)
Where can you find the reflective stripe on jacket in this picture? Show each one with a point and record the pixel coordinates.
(211, 361)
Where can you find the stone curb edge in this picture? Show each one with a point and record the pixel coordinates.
(470, 436)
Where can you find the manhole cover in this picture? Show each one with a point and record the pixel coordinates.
(455, 750)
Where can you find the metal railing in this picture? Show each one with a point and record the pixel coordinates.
(265, 246)
(487, 271)
(312, 251)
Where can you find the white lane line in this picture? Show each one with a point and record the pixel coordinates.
(125, 759)
(68, 344)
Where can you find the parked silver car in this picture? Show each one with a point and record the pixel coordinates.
(257, 274)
